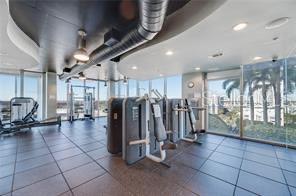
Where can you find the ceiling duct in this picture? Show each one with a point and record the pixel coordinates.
(152, 15)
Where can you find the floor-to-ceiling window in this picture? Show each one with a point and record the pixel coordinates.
(290, 100)
(94, 93)
(143, 87)
(33, 89)
(223, 106)
(9, 85)
(174, 87)
(103, 98)
(132, 88)
(223, 102)
(158, 84)
(263, 115)
(62, 99)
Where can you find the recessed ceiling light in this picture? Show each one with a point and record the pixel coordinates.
(197, 68)
(256, 58)
(240, 26)
(277, 23)
(160, 75)
(134, 67)
(169, 53)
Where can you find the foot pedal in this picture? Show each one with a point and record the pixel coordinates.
(169, 146)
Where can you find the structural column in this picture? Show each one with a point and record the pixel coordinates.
(49, 95)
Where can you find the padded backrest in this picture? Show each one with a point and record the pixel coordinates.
(159, 129)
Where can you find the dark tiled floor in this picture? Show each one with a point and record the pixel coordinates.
(74, 161)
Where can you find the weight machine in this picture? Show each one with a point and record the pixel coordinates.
(82, 104)
(23, 116)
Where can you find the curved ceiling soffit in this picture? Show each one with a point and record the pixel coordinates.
(25, 49)
(183, 19)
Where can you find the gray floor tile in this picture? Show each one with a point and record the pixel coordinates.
(271, 161)
(6, 170)
(288, 165)
(200, 184)
(92, 146)
(99, 153)
(290, 177)
(262, 151)
(261, 185)
(50, 187)
(263, 170)
(104, 185)
(223, 172)
(199, 151)
(210, 146)
(34, 146)
(7, 152)
(7, 160)
(234, 143)
(212, 138)
(82, 174)
(32, 154)
(230, 151)
(189, 160)
(72, 162)
(34, 175)
(177, 173)
(66, 153)
(242, 192)
(32, 163)
(226, 159)
(285, 153)
(5, 185)
(293, 191)
(61, 147)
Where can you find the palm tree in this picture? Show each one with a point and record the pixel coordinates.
(232, 84)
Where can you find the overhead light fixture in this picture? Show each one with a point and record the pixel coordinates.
(160, 75)
(68, 81)
(169, 53)
(256, 58)
(215, 55)
(197, 68)
(277, 23)
(240, 26)
(134, 67)
(81, 76)
(81, 54)
(124, 80)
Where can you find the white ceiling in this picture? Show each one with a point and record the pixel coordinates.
(214, 34)
(17, 51)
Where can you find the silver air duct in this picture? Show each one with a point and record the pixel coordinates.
(152, 15)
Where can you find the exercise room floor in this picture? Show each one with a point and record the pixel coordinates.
(75, 161)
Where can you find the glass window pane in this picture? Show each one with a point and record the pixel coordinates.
(263, 107)
(122, 89)
(158, 84)
(33, 89)
(174, 87)
(224, 106)
(94, 92)
(9, 88)
(132, 88)
(290, 106)
(62, 107)
(143, 87)
(103, 98)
